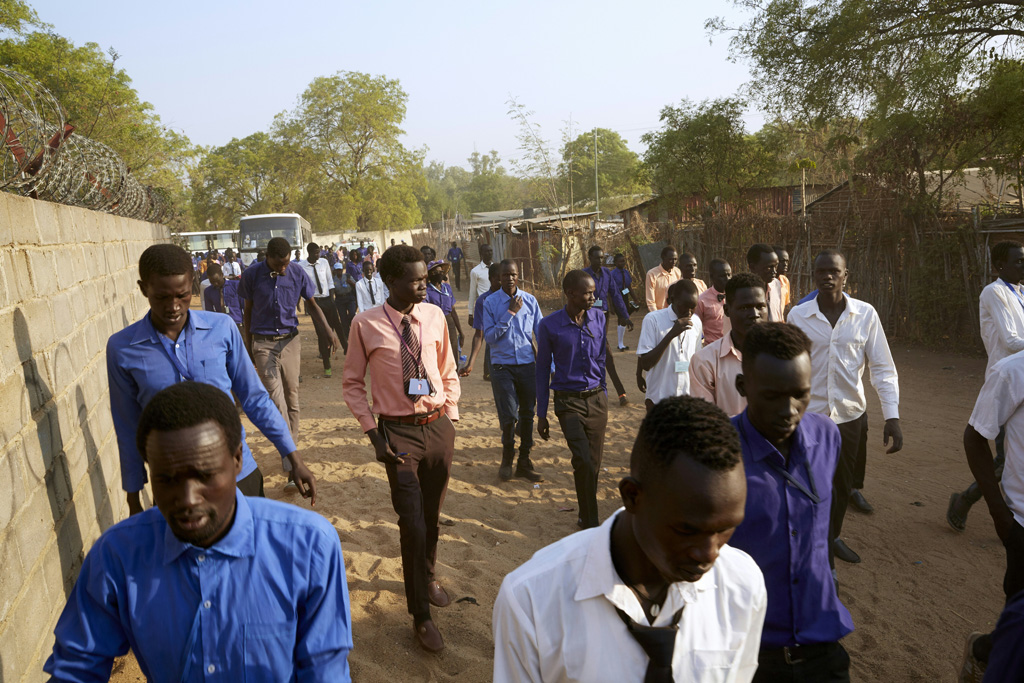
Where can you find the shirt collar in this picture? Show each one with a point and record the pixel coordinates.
(397, 316)
(148, 332)
(240, 541)
(849, 310)
(760, 448)
(728, 347)
(600, 578)
(567, 319)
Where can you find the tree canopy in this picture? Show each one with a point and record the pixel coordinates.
(618, 167)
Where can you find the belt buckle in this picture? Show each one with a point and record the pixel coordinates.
(786, 653)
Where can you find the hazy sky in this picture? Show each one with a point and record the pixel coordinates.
(220, 69)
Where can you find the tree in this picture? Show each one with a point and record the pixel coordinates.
(16, 16)
(445, 195)
(618, 167)
(351, 123)
(705, 149)
(491, 188)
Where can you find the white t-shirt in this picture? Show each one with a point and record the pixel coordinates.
(1000, 403)
(671, 375)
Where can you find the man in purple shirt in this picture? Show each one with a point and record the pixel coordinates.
(440, 294)
(271, 291)
(477, 323)
(222, 295)
(790, 458)
(607, 297)
(622, 281)
(575, 337)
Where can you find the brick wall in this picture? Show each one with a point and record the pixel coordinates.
(67, 281)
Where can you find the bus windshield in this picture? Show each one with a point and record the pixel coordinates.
(256, 231)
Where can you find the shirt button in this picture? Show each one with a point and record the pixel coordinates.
(201, 558)
(177, 346)
(207, 604)
(796, 581)
(211, 669)
(793, 533)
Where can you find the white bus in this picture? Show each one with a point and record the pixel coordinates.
(256, 231)
(207, 240)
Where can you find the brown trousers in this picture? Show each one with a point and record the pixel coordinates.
(277, 363)
(418, 488)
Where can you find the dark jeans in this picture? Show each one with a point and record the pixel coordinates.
(252, 484)
(323, 337)
(829, 663)
(973, 493)
(583, 422)
(346, 305)
(457, 271)
(860, 465)
(418, 488)
(515, 396)
(852, 435)
(487, 360)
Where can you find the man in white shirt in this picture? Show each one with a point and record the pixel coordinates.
(370, 291)
(232, 268)
(668, 339)
(318, 270)
(998, 409)
(579, 609)
(764, 263)
(1001, 308)
(847, 338)
(480, 284)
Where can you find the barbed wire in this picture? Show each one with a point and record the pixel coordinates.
(42, 157)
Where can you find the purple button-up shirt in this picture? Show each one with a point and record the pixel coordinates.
(211, 300)
(275, 298)
(787, 534)
(607, 293)
(578, 352)
(442, 297)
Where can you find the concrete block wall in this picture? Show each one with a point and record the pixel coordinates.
(67, 282)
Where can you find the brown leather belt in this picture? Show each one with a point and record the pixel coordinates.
(579, 394)
(274, 337)
(422, 419)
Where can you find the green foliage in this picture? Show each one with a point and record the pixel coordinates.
(618, 167)
(16, 16)
(704, 149)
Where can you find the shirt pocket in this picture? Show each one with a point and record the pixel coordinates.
(269, 652)
(212, 364)
(714, 666)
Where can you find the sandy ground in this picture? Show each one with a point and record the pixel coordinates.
(919, 591)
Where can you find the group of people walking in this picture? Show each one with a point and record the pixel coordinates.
(720, 566)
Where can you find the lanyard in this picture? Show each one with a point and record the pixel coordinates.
(419, 361)
(812, 493)
(1014, 290)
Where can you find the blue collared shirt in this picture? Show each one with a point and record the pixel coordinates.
(275, 297)
(442, 297)
(511, 336)
(270, 601)
(354, 270)
(787, 533)
(211, 350)
(607, 293)
(478, 311)
(578, 353)
(454, 254)
(211, 300)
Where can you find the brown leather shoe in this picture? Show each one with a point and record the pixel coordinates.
(437, 595)
(429, 637)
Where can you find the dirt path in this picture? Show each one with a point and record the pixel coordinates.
(919, 591)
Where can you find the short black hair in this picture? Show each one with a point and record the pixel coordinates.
(673, 290)
(508, 262)
(781, 340)
(278, 247)
(594, 248)
(777, 248)
(684, 426)
(187, 404)
(717, 262)
(393, 260)
(618, 254)
(260, 254)
(686, 254)
(164, 259)
(214, 269)
(666, 250)
(755, 251)
(312, 247)
(742, 281)
(493, 270)
(1001, 251)
(365, 263)
(573, 279)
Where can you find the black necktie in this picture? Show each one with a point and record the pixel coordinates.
(658, 642)
(369, 286)
(316, 276)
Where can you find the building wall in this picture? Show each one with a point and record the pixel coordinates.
(67, 281)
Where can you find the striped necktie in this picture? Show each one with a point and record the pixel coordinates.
(410, 355)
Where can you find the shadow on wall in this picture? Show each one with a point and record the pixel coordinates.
(53, 467)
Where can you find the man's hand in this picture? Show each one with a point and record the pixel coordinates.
(304, 479)
(462, 340)
(385, 453)
(641, 383)
(515, 305)
(892, 429)
(134, 503)
(335, 343)
(543, 428)
(464, 372)
(681, 325)
(629, 325)
(471, 320)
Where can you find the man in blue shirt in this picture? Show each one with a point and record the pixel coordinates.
(476, 321)
(222, 295)
(172, 344)
(575, 337)
(790, 458)
(270, 326)
(607, 298)
(209, 585)
(511, 318)
(455, 257)
(440, 294)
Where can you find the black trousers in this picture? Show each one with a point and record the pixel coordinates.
(1013, 580)
(346, 305)
(583, 422)
(826, 663)
(323, 337)
(853, 438)
(418, 489)
(457, 270)
(252, 484)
